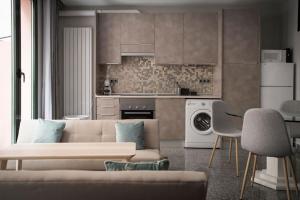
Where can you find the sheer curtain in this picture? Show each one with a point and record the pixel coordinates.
(47, 58)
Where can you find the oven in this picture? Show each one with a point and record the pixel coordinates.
(137, 108)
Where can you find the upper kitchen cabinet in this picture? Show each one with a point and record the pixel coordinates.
(137, 33)
(241, 36)
(200, 38)
(169, 39)
(109, 38)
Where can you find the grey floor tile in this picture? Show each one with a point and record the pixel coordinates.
(223, 183)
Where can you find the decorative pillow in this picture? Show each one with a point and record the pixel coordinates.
(40, 131)
(126, 166)
(131, 132)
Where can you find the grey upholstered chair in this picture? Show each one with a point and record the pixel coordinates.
(264, 134)
(223, 125)
(292, 109)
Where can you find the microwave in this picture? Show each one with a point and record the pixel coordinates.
(273, 56)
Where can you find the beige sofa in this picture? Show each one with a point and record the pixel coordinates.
(93, 131)
(95, 185)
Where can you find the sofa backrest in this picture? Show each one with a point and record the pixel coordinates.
(103, 131)
(95, 185)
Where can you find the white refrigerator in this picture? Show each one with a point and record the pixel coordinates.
(277, 84)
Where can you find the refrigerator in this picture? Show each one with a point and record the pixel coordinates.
(277, 85)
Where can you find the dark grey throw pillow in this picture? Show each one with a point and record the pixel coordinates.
(126, 166)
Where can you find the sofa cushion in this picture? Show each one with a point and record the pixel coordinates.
(41, 131)
(131, 132)
(82, 131)
(126, 166)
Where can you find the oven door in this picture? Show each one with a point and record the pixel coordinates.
(137, 114)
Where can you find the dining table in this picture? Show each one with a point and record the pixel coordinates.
(273, 175)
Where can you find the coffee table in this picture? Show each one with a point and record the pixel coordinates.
(38, 151)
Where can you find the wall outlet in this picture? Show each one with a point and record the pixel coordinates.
(113, 81)
(204, 81)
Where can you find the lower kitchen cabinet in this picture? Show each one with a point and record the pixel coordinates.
(171, 116)
(108, 108)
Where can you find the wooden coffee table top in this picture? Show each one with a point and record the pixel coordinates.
(103, 150)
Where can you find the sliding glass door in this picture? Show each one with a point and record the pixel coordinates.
(24, 70)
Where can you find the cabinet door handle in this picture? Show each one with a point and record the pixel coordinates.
(20, 74)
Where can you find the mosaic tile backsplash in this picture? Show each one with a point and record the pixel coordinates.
(141, 75)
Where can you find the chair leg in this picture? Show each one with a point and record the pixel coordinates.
(294, 175)
(230, 148)
(288, 193)
(213, 152)
(245, 175)
(237, 156)
(253, 170)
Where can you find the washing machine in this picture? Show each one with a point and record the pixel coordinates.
(198, 124)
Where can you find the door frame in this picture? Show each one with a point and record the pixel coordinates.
(16, 66)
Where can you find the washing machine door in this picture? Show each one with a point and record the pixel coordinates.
(201, 122)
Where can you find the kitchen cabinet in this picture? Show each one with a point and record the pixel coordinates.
(169, 39)
(108, 108)
(241, 36)
(200, 44)
(109, 38)
(171, 116)
(241, 87)
(137, 33)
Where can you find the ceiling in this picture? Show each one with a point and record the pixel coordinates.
(164, 2)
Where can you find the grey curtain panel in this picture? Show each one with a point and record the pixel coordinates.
(48, 80)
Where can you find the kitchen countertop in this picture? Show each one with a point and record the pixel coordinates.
(162, 96)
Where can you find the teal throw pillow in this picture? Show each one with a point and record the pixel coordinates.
(131, 132)
(126, 166)
(40, 131)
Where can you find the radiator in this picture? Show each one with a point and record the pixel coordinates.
(77, 71)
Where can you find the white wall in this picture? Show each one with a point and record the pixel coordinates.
(291, 37)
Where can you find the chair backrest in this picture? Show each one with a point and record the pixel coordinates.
(220, 120)
(264, 133)
(291, 107)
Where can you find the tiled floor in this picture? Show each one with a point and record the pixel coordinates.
(223, 184)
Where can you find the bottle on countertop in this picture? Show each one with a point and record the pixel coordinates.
(178, 88)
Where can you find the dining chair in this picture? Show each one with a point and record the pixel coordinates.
(224, 126)
(292, 109)
(264, 134)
